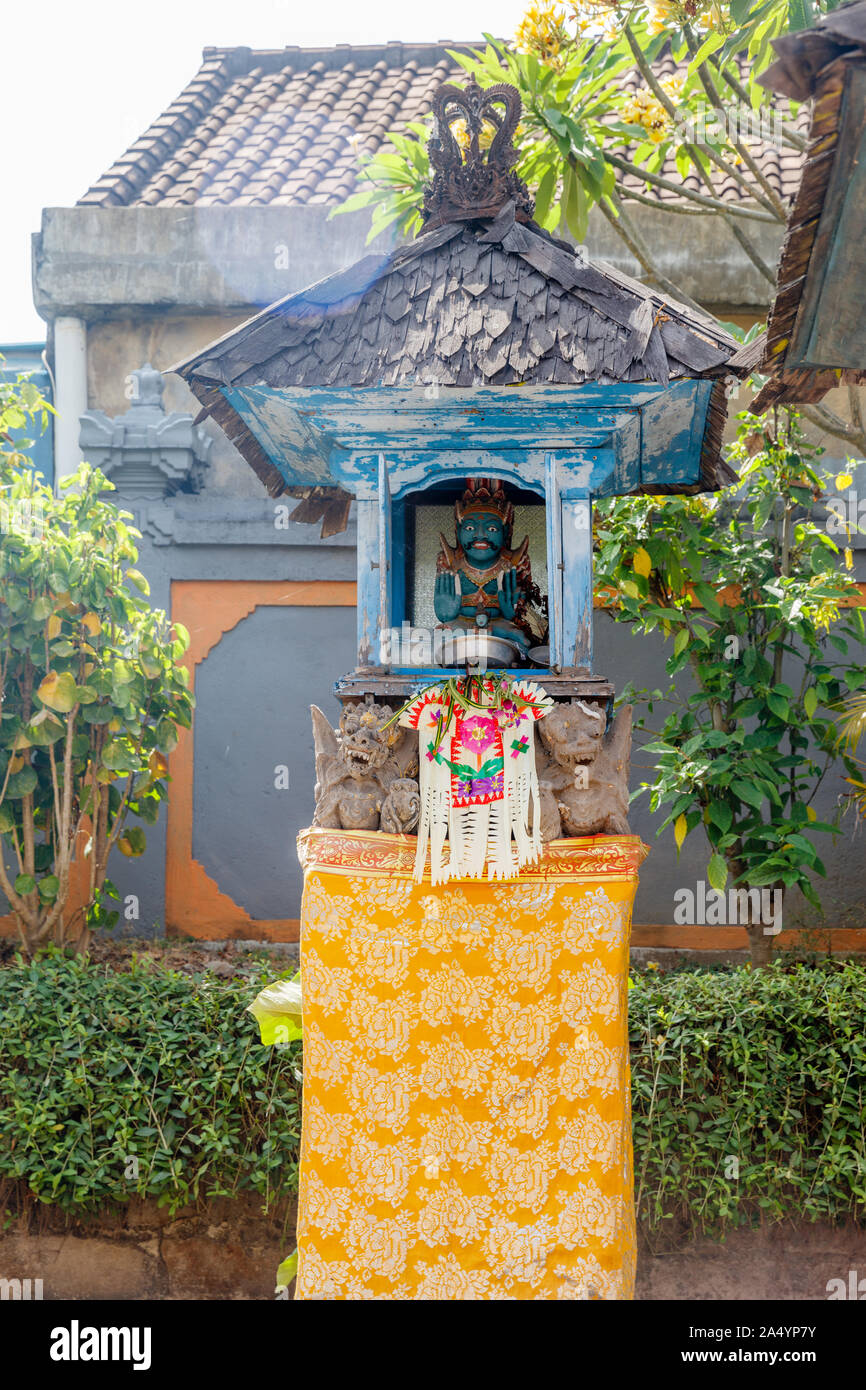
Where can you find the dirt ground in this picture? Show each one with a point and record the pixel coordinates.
(225, 959)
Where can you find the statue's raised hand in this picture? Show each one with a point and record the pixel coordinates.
(509, 594)
(446, 597)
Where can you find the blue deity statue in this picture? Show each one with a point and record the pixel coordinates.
(481, 582)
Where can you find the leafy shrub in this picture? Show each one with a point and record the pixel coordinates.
(92, 694)
(98, 1069)
(747, 588)
(766, 1068)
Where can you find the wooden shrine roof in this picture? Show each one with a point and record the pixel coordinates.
(493, 303)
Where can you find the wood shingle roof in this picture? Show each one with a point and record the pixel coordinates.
(478, 304)
(470, 305)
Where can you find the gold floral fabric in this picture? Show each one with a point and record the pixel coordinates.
(466, 1129)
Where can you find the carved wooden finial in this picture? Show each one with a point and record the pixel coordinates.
(468, 181)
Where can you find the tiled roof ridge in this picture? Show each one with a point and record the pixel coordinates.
(298, 59)
(220, 67)
(169, 130)
(286, 126)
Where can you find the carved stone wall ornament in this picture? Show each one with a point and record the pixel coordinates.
(147, 452)
(468, 182)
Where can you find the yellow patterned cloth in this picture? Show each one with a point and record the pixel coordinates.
(466, 1124)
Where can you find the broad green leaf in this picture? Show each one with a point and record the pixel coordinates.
(135, 840)
(748, 792)
(721, 815)
(166, 736)
(24, 884)
(287, 1271)
(137, 578)
(707, 48)
(46, 731)
(801, 15)
(717, 872)
(49, 887)
(22, 783)
(58, 692)
(779, 706)
(117, 757)
(544, 195)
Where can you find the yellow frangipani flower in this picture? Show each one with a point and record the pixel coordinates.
(543, 31)
(646, 110)
(460, 131)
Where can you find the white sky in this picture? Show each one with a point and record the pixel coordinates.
(82, 80)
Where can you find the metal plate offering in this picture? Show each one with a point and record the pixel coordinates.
(480, 650)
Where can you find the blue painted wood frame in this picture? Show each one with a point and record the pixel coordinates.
(369, 592)
(385, 550)
(576, 531)
(569, 568)
(553, 516)
(402, 546)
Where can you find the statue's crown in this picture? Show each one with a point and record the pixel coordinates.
(486, 495)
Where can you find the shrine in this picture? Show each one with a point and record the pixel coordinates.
(470, 872)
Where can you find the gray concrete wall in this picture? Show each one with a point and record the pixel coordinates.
(247, 715)
(104, 262)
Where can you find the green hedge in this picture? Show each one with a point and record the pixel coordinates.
(749, 1094)
(764, 1071)
(104, 1073)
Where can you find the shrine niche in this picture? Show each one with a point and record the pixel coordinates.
(484, 586)
(470, 873)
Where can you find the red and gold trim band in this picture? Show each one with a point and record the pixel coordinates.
(374, 852)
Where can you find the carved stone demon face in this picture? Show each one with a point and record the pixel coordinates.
(572, 733)
(364, 743)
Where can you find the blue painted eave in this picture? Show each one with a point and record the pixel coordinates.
(614, 438)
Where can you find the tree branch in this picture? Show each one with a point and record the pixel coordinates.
(712, 203)
(830, 423)
(628, 233)
(691, 146)
(713, 93)
(792, 136)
